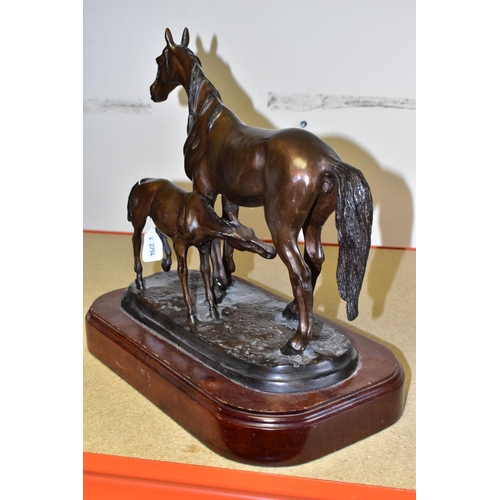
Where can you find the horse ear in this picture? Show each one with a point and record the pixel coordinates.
(185, 38)
(168, 37)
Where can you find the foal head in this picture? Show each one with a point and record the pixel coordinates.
(243, 238)
(174, 65)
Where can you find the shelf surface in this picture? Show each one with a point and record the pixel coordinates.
(120, 421)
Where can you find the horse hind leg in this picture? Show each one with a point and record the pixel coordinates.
(313, 249)
(166, 262)
(286, 245)
(320, 213)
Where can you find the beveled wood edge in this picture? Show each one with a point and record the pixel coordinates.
(127, 478)
(311, 415)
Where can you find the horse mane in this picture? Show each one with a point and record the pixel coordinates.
(197, 82)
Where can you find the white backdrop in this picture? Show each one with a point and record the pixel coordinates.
(357, 56)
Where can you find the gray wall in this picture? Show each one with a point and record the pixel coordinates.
(357, 56)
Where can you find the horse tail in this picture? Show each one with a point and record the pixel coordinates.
(353, 218)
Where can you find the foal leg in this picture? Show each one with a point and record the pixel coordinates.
(136, 245)
(167, 260)
(180, 249)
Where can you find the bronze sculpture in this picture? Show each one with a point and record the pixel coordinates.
(242, 384)
(189, 220)
(298, 179)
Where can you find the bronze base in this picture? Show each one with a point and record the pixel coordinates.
(240, 410)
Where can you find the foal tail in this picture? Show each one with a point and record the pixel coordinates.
(131, 197)
(129, 202)
(353, 218)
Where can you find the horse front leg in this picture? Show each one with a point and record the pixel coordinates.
(219, 277)
(230, 212)
(205, 273)
(180, 249)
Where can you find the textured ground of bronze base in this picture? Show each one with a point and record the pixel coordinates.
(245, 342)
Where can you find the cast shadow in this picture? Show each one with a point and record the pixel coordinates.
(391, 196)
(233, 95)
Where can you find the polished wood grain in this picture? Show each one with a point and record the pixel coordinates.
(238, 422)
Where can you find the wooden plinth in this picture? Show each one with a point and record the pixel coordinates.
(236, 420)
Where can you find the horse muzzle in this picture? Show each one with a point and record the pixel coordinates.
(269, 252)
(154, 97)
(159, 91)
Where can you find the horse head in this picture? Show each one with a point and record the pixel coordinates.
(243, 238)
(173, 64)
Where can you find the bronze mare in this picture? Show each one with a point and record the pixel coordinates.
(189, 220)
(298, 179)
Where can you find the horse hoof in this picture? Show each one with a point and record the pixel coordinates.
(214, 314)
(292, 348)
(219, 293)
(165, 266)
(192, 319)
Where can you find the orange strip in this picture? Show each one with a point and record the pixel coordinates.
(106, 476)
(95, 231)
